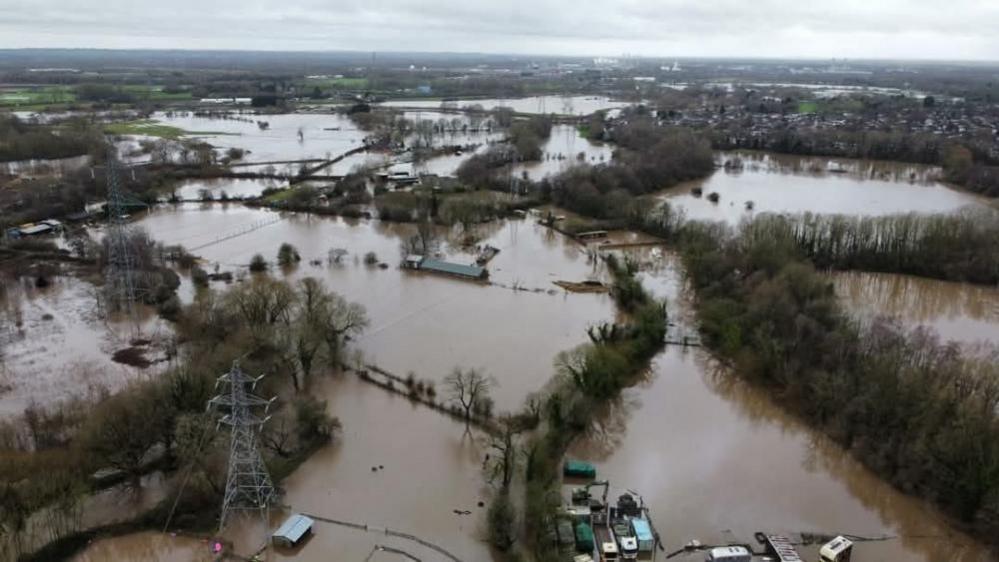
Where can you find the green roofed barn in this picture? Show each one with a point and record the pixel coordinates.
(446, 268)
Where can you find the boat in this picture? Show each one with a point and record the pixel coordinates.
(606, 543)
(627, 544)
(620, 518)
(584, 537)
(643, 534)
(579, 469)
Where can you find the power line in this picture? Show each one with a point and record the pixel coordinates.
(248, 484)
(119, 286)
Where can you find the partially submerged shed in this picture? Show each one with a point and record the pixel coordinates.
(292, 531)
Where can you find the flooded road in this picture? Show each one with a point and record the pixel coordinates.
(793, 184)
(420, 322)
(956, 311)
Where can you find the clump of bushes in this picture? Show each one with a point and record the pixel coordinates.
(258, 264)
(287, 255)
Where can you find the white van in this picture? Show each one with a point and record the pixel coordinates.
(729, 554)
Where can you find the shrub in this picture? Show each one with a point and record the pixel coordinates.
(199, 276)
(258, 264)
(287, 255)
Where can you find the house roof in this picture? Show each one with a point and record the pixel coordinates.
(35, 229)
(294, 528)
(453, 268)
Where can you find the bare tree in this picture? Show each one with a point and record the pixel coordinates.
(468, 389)
(503, 464)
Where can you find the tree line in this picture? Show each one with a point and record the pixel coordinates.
(24, 141)
(922, 414)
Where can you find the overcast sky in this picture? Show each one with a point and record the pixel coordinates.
(914, 29)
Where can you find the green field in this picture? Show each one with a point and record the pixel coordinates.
(153, 128)
(807, 107)
(36, 96)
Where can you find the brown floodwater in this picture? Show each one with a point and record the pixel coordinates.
(147, 547)
(794, 184)
(431, 467)
(717, 460)
(956, 311)
(422, 323)
(714, 458)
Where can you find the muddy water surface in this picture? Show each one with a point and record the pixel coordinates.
(792, 184)
(956, 311)
(147, 547)
(428, 467)
(421, 322)
(717, 460)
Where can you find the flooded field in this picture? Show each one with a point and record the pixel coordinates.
(43, 167)
(215, 188)
(147, 547)
(565, 148)
(428, 467)
(57, 346)
(956, 311)
(420, 322)
(792, 184)
(561, 105)
(323, 136)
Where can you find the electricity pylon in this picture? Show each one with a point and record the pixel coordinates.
(248, 485)
(120, 281)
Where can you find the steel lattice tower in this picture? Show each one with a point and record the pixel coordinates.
(248, 485)
(120, 282)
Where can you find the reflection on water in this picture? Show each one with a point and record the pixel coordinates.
(232, 188)
(565, 148)
(781, 183)
(957, 311)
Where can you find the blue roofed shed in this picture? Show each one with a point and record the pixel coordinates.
(456, 269)
(292, 531)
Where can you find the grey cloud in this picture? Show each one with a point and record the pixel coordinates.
(845, 28)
